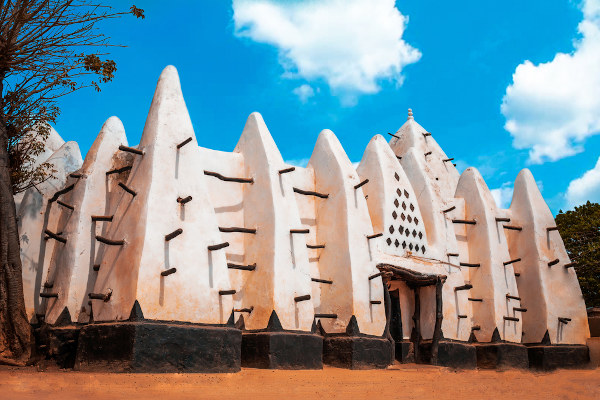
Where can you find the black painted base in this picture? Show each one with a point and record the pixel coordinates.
(501, 355)
(405, 351)
(148, 346)
(282, 350)
(549, 357)
(357, 352)
(452, 354)
(58, 343)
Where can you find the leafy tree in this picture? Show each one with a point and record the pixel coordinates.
(48, 49)
(580, 230)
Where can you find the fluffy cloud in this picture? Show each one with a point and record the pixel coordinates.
(503, 195)
(351, 45)
(551, 108)
(584, 188)
(304, 92)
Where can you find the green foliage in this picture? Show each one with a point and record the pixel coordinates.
(48, 49)
(580, 231)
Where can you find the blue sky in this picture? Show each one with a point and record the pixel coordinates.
(356, 66)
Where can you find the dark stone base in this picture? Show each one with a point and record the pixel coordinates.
(148, 346)
(453, 354)
(357, 352)
(58, 343)
(405, 351)
(282, 350)
(501, 355)
(550, 357)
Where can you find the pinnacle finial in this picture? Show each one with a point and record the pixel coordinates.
(410, 114)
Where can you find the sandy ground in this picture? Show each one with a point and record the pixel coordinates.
(400, 381)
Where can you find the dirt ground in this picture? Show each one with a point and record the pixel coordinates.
(400, 381)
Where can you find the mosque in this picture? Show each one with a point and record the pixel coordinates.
(168, 256)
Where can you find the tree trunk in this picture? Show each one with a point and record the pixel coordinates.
(16, 334)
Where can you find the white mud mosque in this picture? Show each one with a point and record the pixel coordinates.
(168, 256)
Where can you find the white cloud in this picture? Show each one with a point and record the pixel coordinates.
(304, 92)
(503, 195)
(351, 45)
(551, 108)
(584, 188)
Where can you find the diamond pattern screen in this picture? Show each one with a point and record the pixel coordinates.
(405, 230)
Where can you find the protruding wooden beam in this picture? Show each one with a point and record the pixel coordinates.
(499, 219)
(101, 296)
(361, 184)
(106, 218)
(475, 328)
(119, 170)
(428, 153)
(464, 221)
(322, 281)
(570, 265)
(186, 141)
(227, 292)
(449, 209)
(552, 228)
(184, 200)
(311, 193)
(302, 298)
(517, 274)
(229, 179)
(333, 316)
(131, 150)
(250, 267)
(110, 242)
(76, 175)
(553, 262)
(375, 301)
(127, 189)
(469, 265)
(65, 205)
(509, 296)
(61, 192)
(564, 320)
(396, 136)
(218, 246)
(49, 295)
(301, 231)
(520, 309)
(286, 170)
(96, 267)
(452, 254)
(54, 236)
(375, 275)
(511, 261)
(512, 227)
(466, 286)
(237, 229)
(168, 272)
(475, 299)
(448, 159)
(515, 319)
(244, 310)
(460, 316)
(374, 236)
(427, 134)
(315, 246)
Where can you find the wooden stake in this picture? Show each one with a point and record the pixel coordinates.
(184, 200)
(168, 272)
(361, 184)
(55, 236)
(236, 229)
(374, 236)
(229, 179)
(218, 246)
(109, 241)
(302, 298)
(250, 267)
(322, 281)
(119, 170)
(286, 170)
(131, 150)
(173, 234)
(127, 189)
(311, 193)
(186, 141)
(107, 218)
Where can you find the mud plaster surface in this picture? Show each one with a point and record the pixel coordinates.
(406, 381)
